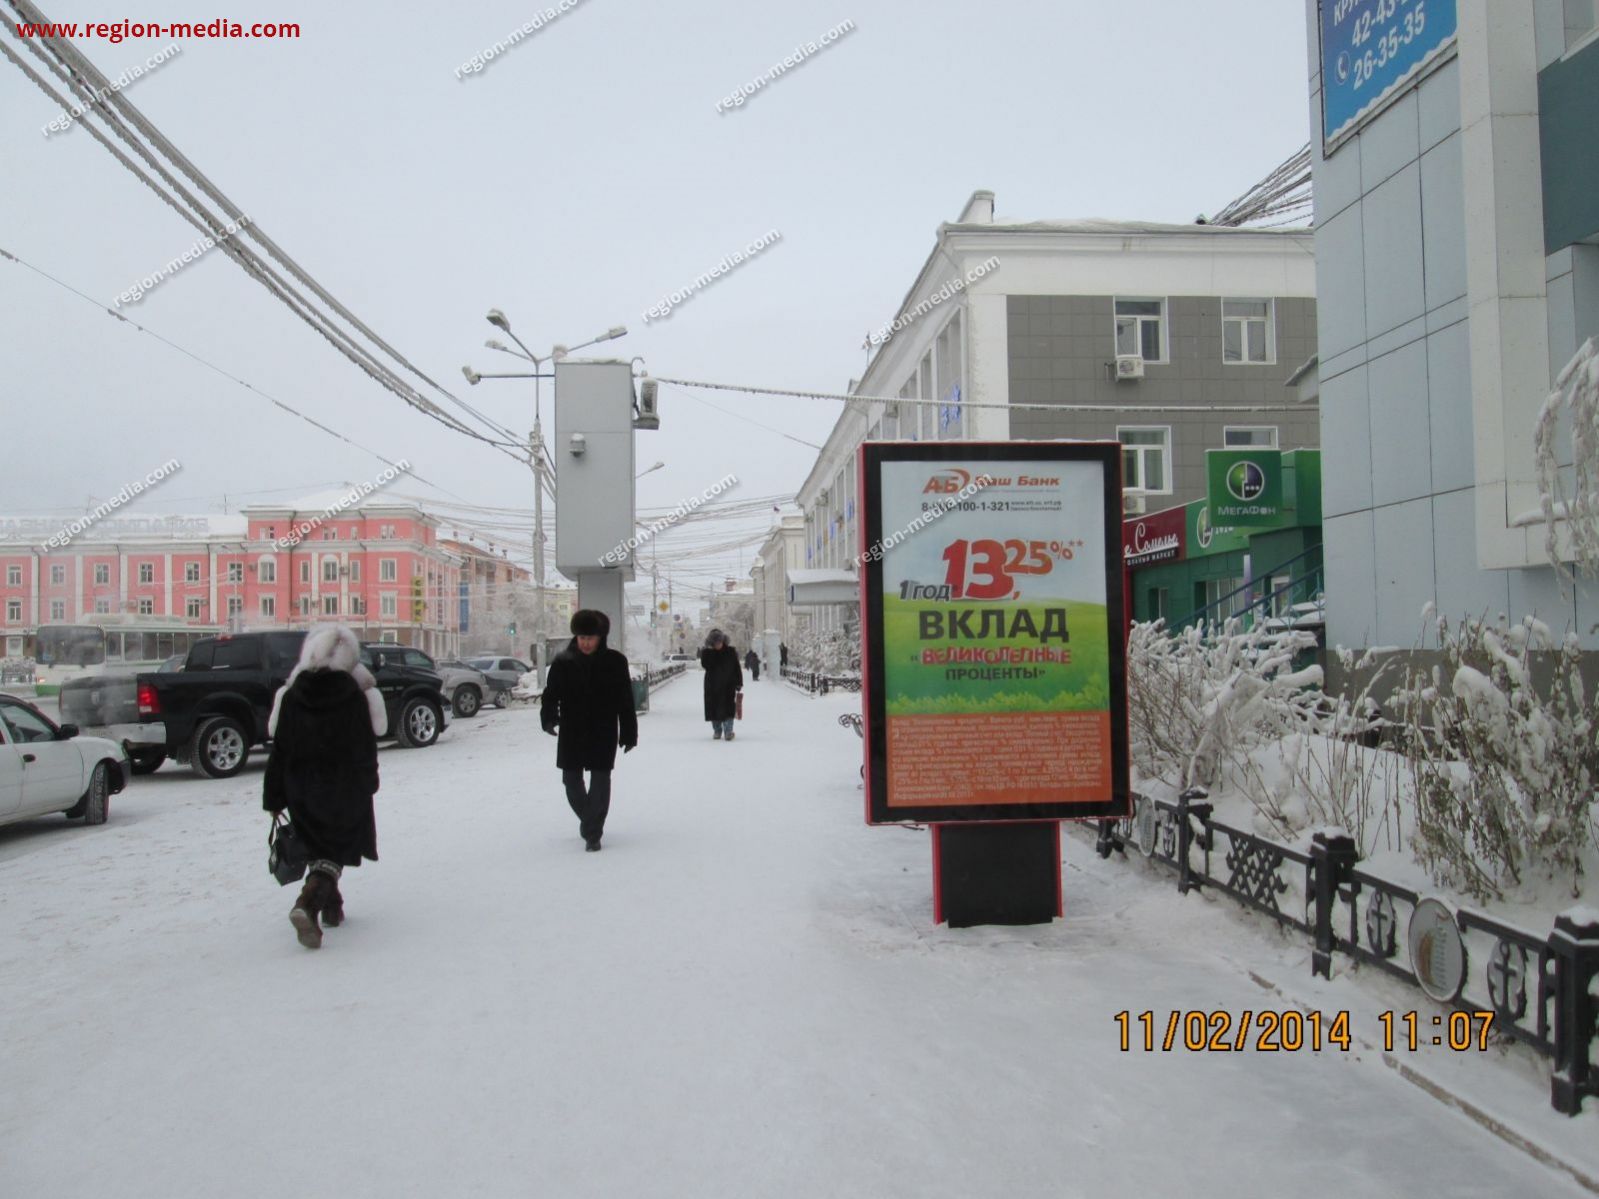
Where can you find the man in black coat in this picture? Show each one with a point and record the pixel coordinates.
(723, 681)
(588, 697)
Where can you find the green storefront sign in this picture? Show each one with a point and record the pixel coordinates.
(1205, 539)
(1244, 487)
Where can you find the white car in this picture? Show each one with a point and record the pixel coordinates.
(47, 768)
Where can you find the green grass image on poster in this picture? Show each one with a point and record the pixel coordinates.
(917, 689)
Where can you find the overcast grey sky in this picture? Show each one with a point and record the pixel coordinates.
(575, 182)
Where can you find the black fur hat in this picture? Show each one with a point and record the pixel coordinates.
(590, 622)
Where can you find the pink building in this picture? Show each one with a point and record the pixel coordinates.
(376, 566)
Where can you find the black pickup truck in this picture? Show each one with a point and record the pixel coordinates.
(214, 710)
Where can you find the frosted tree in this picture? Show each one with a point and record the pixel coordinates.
(1576, 392)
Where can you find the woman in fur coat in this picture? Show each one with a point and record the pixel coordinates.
(323, 768)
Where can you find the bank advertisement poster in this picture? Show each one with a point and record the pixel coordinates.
(992, 608)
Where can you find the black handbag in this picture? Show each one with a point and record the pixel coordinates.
(286, 856)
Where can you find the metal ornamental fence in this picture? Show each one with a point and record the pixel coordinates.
(816, 682)
(1542, 991)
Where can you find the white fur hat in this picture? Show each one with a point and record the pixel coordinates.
(334, 647)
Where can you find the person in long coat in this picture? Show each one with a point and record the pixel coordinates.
(723, 681)
(752, 663)
(323, 769)
(588, 706)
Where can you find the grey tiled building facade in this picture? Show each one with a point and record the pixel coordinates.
(1062, 350)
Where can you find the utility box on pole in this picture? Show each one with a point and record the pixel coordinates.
(594, 469)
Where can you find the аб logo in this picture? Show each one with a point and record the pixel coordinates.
(947, 482)
(1245, 481)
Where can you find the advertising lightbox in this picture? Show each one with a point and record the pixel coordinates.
(991, 578)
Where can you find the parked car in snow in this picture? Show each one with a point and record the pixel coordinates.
(46, 767)
(464, 687)
(503, 674)
(213, 711)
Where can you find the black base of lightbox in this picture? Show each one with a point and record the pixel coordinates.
(996, 873)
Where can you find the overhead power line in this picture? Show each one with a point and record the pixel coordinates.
(68, 64)
(1284, 194)
(1197, 409)
(232, 378)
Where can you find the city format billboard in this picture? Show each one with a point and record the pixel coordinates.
(991, 579)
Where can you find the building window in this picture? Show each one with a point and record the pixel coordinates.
(355, 570)
(388, 570)
(147, 572)
(191, 607)
(269, 532)
(330, 605)
(386, 532)
(269, 605)
(1246, 331)
(305, 605)
(235, 606)
(13, 576)
(58, 574)
(268, 572)
(1144, 459)
(13, 611)
(1141, 329)
(58, 609)
(305, 570)
(102, 607)
(330, 534)
(235, 572)
(330, 570)
(357, 606)
(387, 605)
(147, 607)
(191, 572)
(102, 575)
(1239, 435)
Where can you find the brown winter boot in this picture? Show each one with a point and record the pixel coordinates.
(332, 906)
(307, 907)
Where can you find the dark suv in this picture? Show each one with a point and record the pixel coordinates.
(212, 712)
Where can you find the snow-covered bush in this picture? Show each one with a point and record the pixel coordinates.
(835, 651)
(1332, 774)
(1504, 771)
(1208, 695)
(1576, 390)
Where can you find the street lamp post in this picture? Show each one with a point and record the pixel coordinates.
(536, 448)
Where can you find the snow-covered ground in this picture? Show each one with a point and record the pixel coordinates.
(743, 995)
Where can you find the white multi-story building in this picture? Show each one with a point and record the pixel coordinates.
(1457, 216)
(1009, 320)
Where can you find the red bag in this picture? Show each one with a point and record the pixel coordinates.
(738, 705)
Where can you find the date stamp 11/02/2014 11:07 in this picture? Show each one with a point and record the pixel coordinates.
(1291, 1031)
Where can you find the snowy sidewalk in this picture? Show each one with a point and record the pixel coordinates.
(743, 995)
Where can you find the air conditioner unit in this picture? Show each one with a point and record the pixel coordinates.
(1129, 366)
(1133, 505)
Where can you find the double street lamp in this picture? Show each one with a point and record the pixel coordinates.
(535, 442)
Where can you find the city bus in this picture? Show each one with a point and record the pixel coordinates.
(67, 651)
